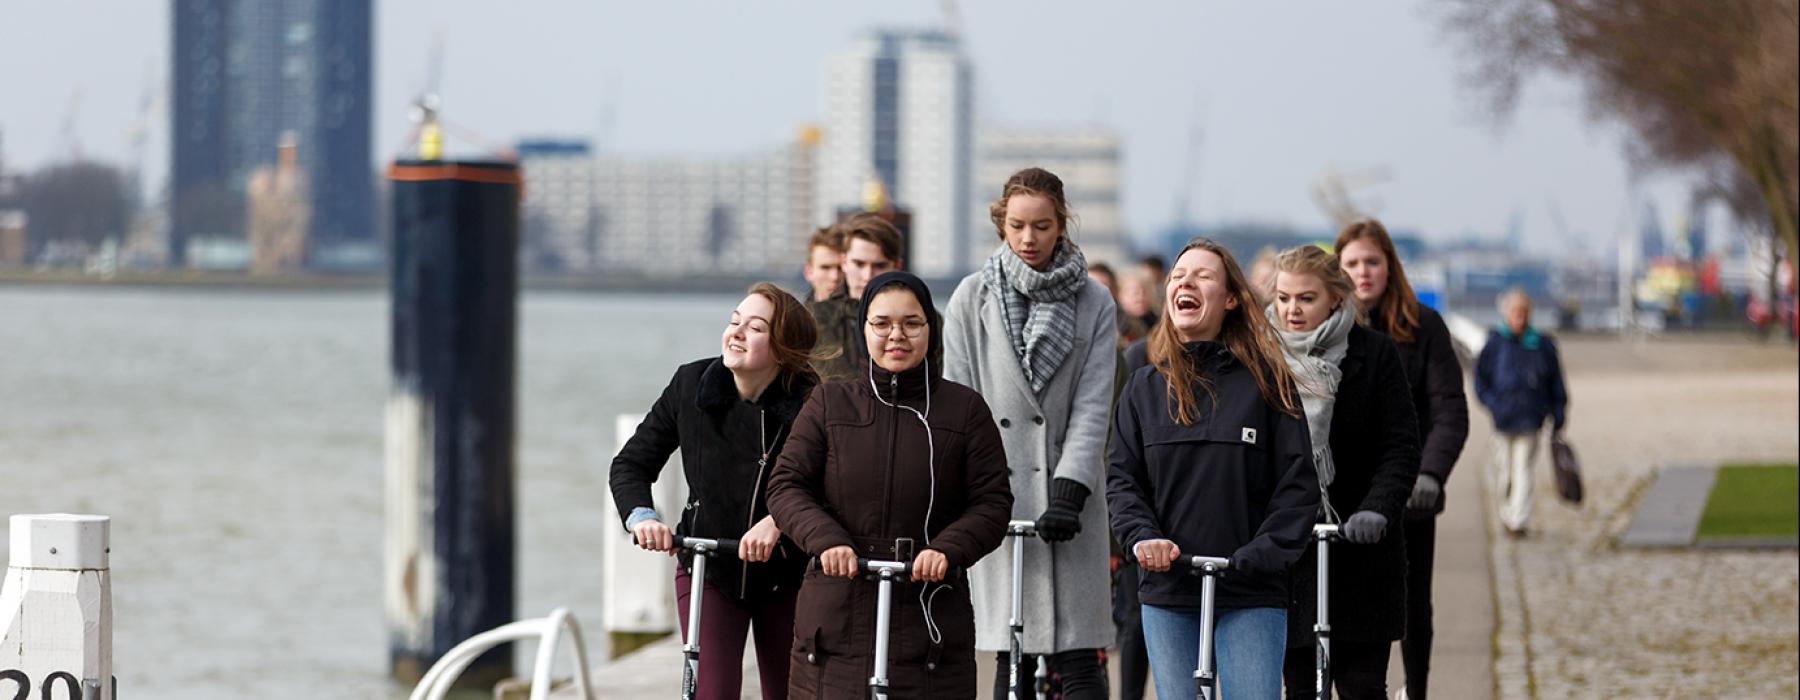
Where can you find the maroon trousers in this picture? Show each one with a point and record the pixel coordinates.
(724, 623)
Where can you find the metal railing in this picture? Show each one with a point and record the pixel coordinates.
(547, 630)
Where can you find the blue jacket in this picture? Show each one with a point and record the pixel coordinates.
(1520, 381)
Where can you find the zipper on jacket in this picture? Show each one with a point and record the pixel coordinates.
(887, 486)
(755, 488)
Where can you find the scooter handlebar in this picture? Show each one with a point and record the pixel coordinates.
(1022, 528)
(1204, 563)
(876, 566)
(712, 547)
(899, 568)
(1325, 531)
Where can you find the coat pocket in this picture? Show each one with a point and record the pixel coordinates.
(1172, 451)
(1249, 434)
(822, 616)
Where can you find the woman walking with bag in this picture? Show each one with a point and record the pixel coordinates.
(729, 416)
(899, 465)
(1036, 337)
(1209, 456)
(1365, 448)
(1435, 376)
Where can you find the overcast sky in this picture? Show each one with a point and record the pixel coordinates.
(1284, 91)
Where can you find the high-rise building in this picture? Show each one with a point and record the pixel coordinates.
(673, 217)
(1087, 161)
(557, 216)
(247, 71)
(899, 111)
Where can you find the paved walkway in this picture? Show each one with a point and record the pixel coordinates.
(1580, 617)
(1462, 598)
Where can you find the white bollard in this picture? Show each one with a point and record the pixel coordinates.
(640, 586)
(57, 607)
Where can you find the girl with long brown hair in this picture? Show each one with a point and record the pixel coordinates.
(1428, 359)
(1210, 456)
(730, 415)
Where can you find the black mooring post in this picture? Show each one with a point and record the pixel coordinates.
(454, 282)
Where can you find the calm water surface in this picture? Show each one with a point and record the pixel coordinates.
(236, 440)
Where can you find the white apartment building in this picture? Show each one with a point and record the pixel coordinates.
(671, 217)
(899, 110)
(557, 214)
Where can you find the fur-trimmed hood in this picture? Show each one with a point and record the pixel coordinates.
(783, 399)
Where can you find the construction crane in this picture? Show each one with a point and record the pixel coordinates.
(1190, 174)
(1335, 193)
(150, 108)
(69, 142)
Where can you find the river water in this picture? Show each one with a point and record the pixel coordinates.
(235, 438)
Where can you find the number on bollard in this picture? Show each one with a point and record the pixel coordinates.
(69, 682)
(22, 683)
(18, 677)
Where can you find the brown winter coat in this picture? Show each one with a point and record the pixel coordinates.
(853, 472)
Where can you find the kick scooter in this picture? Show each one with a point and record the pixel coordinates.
(1206, 679)
(1017, 531)
(703, 550)
(1323, 533)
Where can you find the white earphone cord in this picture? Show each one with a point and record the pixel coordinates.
(931, 627)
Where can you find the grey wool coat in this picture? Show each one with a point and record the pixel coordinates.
(1067, 590)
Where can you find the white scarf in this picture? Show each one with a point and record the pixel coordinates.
(1314, 357)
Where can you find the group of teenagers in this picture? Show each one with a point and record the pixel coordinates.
(867, 423)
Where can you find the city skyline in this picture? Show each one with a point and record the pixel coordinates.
(1277, 96)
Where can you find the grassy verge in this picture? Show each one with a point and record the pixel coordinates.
(1753, 500)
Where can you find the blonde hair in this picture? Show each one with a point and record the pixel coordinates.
(1313, 260)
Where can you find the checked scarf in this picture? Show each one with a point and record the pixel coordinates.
(1039, 308)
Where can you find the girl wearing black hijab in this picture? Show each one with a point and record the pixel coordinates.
(898, 465)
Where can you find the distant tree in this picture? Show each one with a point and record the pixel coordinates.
(1709, 87)
(81, 202)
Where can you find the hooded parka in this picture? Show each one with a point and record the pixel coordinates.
(862, 470)
(1057, 434)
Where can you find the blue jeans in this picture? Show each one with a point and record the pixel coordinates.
(1248, 644)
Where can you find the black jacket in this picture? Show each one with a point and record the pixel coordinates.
(1375, 445)
(1239, 482)
(721, 438)
(1432, 370)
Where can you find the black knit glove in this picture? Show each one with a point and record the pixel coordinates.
(1061, 522)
